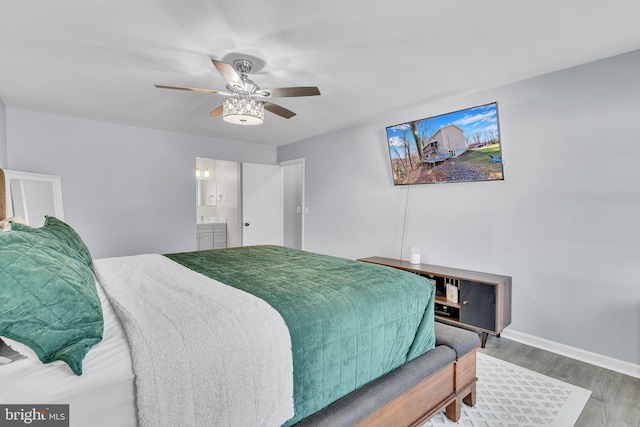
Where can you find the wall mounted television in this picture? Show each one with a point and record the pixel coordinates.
(460, 146)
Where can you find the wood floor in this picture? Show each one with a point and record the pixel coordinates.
(615, 398)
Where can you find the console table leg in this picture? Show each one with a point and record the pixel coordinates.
(484, 339)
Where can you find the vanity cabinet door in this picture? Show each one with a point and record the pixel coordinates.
(205, 237)
(219, 236)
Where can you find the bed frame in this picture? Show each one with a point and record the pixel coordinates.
(444, 389)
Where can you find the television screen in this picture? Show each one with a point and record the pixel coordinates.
(460, 146)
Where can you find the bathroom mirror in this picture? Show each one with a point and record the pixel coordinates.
(206, 192)
(31, 196)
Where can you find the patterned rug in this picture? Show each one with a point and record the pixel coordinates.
(511, 396)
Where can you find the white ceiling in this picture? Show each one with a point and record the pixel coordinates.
(99, 59)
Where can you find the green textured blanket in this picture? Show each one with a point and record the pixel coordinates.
(350, 322)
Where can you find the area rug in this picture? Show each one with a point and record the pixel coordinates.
(511, 396)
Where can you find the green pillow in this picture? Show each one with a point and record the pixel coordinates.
(48, 300)
(64, 233)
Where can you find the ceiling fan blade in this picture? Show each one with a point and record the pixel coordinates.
(229, 74)
(289, 91)
(278, 110)
(216, 112)
(190, 89)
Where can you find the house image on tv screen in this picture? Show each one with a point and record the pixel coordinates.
(460, 146)
(447, 143)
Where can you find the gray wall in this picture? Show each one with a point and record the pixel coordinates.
(126, 190)
(564, 223)
(3, 136)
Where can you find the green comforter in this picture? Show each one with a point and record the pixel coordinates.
(350, 322)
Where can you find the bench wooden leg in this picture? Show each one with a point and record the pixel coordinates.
(454, 411)
(470, 399)
(465, 385)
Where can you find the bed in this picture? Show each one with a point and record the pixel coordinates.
(242, 336)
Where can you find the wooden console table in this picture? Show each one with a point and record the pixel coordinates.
(477, 301)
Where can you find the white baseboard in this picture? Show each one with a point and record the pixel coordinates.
(574, 353)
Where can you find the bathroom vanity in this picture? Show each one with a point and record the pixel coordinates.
(212, 235)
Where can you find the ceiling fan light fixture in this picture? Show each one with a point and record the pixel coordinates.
(243, 111)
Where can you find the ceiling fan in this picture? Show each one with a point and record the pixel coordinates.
(246, 102)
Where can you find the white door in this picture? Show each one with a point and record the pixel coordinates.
(262, 205)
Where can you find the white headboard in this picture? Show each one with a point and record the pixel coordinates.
(31, 196)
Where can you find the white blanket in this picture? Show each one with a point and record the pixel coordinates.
(204, 353)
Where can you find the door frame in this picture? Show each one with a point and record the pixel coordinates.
(303, 203)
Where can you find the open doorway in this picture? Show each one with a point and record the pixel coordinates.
(222, 198)
(217, 203)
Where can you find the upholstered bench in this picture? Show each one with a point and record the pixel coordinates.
(409, 395)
